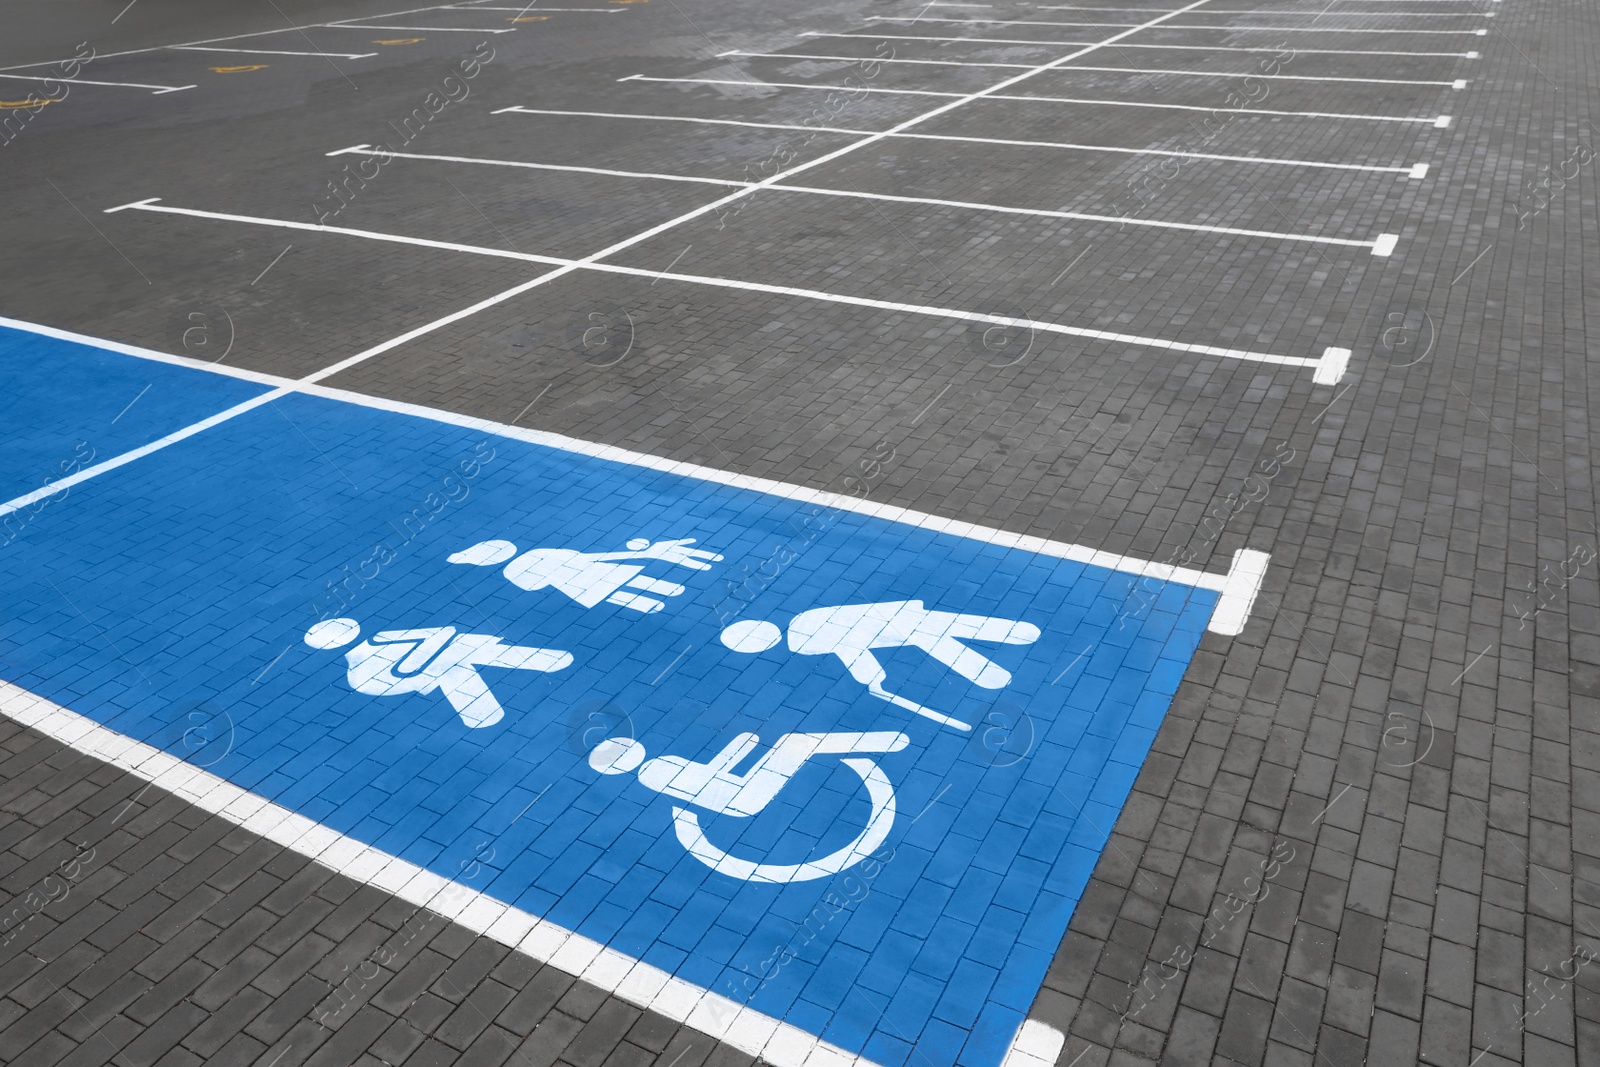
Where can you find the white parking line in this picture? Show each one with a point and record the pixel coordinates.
(1431, 120)
(1459, 83)
(1287, 14)
(409, 29)
(157, 89)
(271, 52)
(1125, 44)
(856, 194)
(364, 150)
(238, 36)
(1441, 122)
(1170, 26)
(1327, 369)
(1413, 170)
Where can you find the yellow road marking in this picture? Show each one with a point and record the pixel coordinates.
(239, 70)
(400, 40)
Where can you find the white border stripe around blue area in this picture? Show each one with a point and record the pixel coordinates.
(636, 982)
(1238, 587)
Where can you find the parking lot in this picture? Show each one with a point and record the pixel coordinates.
(946, 533)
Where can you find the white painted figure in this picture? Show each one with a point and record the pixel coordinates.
(591, 578)
(852, 631)
(714, 787)
(392, 662)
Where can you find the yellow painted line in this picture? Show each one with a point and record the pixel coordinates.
(529, 18)
(239, 70)
(14, 105)
(400, 40)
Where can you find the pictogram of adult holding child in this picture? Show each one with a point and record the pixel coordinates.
(432, 659)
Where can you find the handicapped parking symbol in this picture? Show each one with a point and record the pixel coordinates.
(713, 787)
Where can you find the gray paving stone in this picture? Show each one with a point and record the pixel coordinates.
(1406, 537)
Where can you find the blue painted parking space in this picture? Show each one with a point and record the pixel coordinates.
(853, 773)
(66, 406)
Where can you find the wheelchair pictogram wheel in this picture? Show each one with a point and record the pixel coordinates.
(879, 791)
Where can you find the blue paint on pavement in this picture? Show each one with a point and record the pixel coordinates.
(184, 584)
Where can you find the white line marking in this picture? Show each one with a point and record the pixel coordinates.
(363, 150)
(144, 450)
(1172, 26)
(1323, 365)
(1039, 99)
(1242, 578)
(159, 89)
(125, 207)
(777, 1042)
(1125, 44)
(1271, 14)
(1412, 171)
(591, 262)
(409, 29)
(1382, 245)
(271, 52)
(1239, 593)
(233, 37)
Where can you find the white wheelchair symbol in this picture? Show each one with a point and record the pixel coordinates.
(591, 578)
(393, 662)
(711, 786)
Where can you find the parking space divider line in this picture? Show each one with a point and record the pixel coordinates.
(272, 52)
(1174, 26)
(1158, 47)
(243, 36)
(1417, 171)
(1383, 245)
(1404, 169)
(159, 89)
